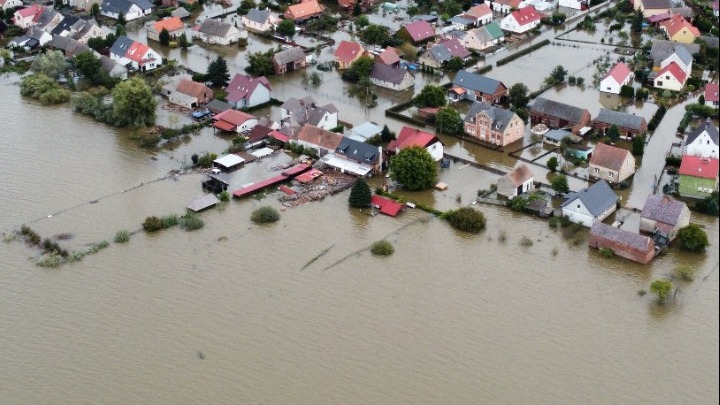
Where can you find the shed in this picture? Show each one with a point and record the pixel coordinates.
(629, 245)
(386, 205)
(229, 162)
(556, 136)
(202, 203)
(516, 182)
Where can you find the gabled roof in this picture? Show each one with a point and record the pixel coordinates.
(320, 137)
(456, 48)
(214, 27)
(510, 3)
(500, 117)
(258, 16)
(519, 175)
(258, 133)
(242, 86)
(387, 206)
(478, 11)
(553, 108)
(621, 119)
(711, 92)
(363, 131)
(116, 6)
(348, 51)
(557, 135)
(494, 29)
(137, 51)
(526, 15)
(409, 137)
(463, 19)
(482, 34)
(234, 117)
(65, 25)
(30, 11)
(192, 88)
(676, 23)
(170, 24)
(121, 45)
(358, 151)
(609, 157)
(419, 30)
(619, 72)
(675, 70)
(143, 4)
(597, 198)
(289, 55)
(389, 56)
(476, 82)
(180, 12)
(662, 49)
(697, 166)
(655, 4)
(388, 73)
(622, 237)
(663, 209)
(304, 9)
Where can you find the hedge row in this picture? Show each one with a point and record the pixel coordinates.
(484, 69)
(404, 118)
(524, 52)
(657, 117)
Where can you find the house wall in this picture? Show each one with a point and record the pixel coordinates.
(621, 250)
(11, 4)
(614, 176)
(505, 187)
(427, 59)
(668, 81)
(436, 151)
(483, 130)
(510, 24)
(578, 213)
(247, 125)
(407, 82)
(702, 146)
(500, 8)
(624, 131)
(696, 187)
(610, 85)
(683, 36)
(648, 225)
(23, 22)
(328, 121)
(574, 4)
(255, 26)
(259, 96)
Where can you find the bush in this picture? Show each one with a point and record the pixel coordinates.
(525, 241)
(382, 248)
(169, 221)
(627, 91)
(657, 117)
(122, 236)
(518, 204)
(661, 288)
(693, 239)
(685, 272)
(467, 219)
(264, 215)
(607, 253)
(224, 196)
(152, 224)
(360, 194)
(709, 205)
(191, 222)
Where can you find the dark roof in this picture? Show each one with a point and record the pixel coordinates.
(622, 237)
(621, 119)
(121, 45)
(289, 55)
(597, 198)
(476, 82)
(663, 209)
(706, 126)
(259, 16)
(217, 106)
(553, 108)
(116, 6)
(143, 4)
(258, 133)
(500, 117)
(661, 49)
(358, 151)
(65, 25)
(214, 27)
(655, 4)
(388, 73)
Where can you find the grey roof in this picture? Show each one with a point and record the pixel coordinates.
(289, 55)
(388, 73)
(180, 12)
(216, 106)
(363, 131)
(655, 4)
(440, 53)
(476, 82)
(462, 20)
(456, 34)
(597, 198)
(143, 4)
(358, 151)
(705, 126)
(201, 203)
(214, 27)
(87, 26)
(557, 134)
(121, 45)
(46, 16)
(116, 6)
(500, 117)
(65, 25)
(663, 209)
(553, 108)
(259, 16)
(295, 105)
(661, 49)
(109, 65)
(621, 119)
(621, 236)
(425, 17)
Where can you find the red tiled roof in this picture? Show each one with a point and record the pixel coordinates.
(419, 30)
(620, 72)
(30, 11)
(321, 137)
(347, 3)
(303, 10)
(409, 137)
(309, 176)
(479, 11)
(224, 126)
(609, 157)
(348, 51)
(456, 48)
(711, 92)
(675, 70)
(234, 117)
(171, 24)
(280, 136)
(659, 17)
(511, 3)
(387, 206)
(676, 23)
(389, 56)
(192, 88)
(137, 52)
(697, 166)
(520, 175)
(526, 15)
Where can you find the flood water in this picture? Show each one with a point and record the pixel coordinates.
(240, 313)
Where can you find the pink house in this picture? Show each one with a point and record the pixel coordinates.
(27, 17)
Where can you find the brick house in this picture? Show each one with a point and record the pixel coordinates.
(475, 87)
(493, 124)
(632, 246)
(558, 115)
(630, 125)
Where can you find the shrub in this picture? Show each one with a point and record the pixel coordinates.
(152, 224)
(693, 239)
(50, 260)
(382, 248)
(360, 194)
(191, 222)
(607, 253)
(662, 289)
(264, 215)
(525, 241)
(467, 219)
(169, 221)
(122, 236)
(685, 272)
(224, 196)
(518, 204)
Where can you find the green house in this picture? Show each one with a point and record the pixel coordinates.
(698, 176)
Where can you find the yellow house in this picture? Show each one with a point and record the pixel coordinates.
(678, 29)
(650, 8)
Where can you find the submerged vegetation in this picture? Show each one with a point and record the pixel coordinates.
(382, 248)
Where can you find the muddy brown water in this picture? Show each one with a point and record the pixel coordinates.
(239, 313)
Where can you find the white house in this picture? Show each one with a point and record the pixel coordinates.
(217, 32)
(34, 38)
(259, 20)
(26, 17)
(503, 7)
(521, 21)
(591, 204)
(671, 77)
(5, 5)
(297, 112)
(519, 180)
(574, 4)
(620, 75)
(391, 77)
(130, 9)
(703, 141)
(234, 121)
(410, 137)
(135, 54)
(246, 91)
(480, 14)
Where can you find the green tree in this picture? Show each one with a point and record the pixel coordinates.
(386, 135)
(120, 30)
(359, 69)
(638, 145)
(448, 121)
(518, 95)
(360, 194)
(467, 219)
(552, 164)
(96, 43)
(44, 89)
(430, 96)
(661, 288)
(52, 64)
(260, 63)
(560, 184)
(134, 103)
(557, 75)
(110, 40)
(217, 72)
(693, 239)
(89, 67)
(121, 19)
(409, 52)
(613, 133)
(414, 168)
(286, 28)
(638, 20)
(455, 64)
(709, 205)
(518, 204)
(164, 37)
(362, 21)
(183, 41)
(375, 34)
(95, 9)
(264, 215)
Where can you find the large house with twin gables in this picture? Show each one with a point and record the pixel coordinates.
(611, 164)
(416, 32)
(558, 115)
(630, 125)
(134, 54)
(475, 87)
(620, 75)
(493, 124)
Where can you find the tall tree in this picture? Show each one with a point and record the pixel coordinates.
(89, 67)
(260, 63)
(638, 145)
(120, 30)
(430, 96)
(359, 69)
(613, 133)
(360, 194)
(164, 37)
(448, 121)
(560, 184)
(134, 103)
(52, 64)
(638, 21)
(414, 168)
(217, 72)
(518, 95)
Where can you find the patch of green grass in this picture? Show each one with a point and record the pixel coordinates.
(607, 253)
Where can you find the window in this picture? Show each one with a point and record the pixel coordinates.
(608, 88)
(597, 171)
(667, 77)
(578, 205)
(659, 83)
(611, 174)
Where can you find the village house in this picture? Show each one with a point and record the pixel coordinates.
(85, 5)
(702, 141)
(650, 8)
(258, 136)
(558, 115)
(626, 244)
(6, 5)
(475, 87)
(611, 164)
(438, 55)
(234, 121)
(678, 29)
(48, 19)
(389, 56)
(712, 99)
(129, 9)
(174, 26)
(187, 93)
(347, 53)
(357, 158)
(480, 14)
(664, 214)
(34, 38)
(663, 53)
(493, 124)
(297, 112)
(410, 137)
(521, 21)
(574, 4)
(260, 20)
(134, 54)
(698, 176)
(304, 11)
(289, 60)
(620, 75)
(555, 137)
(89, 29)
(217, 32)
(590, 205)
(364, 131)
(417, 32)
(391, 77)
(518, 181)
(67, 26)
(27, 17)
(245, 91)
(481, 38)
(671, 77)
(630, 125)
(319, 140)
(503, 7)
(457, 23)
(68, 46)
(112, 68)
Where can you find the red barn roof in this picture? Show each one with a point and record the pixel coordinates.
(386, 205)
(699, 167)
